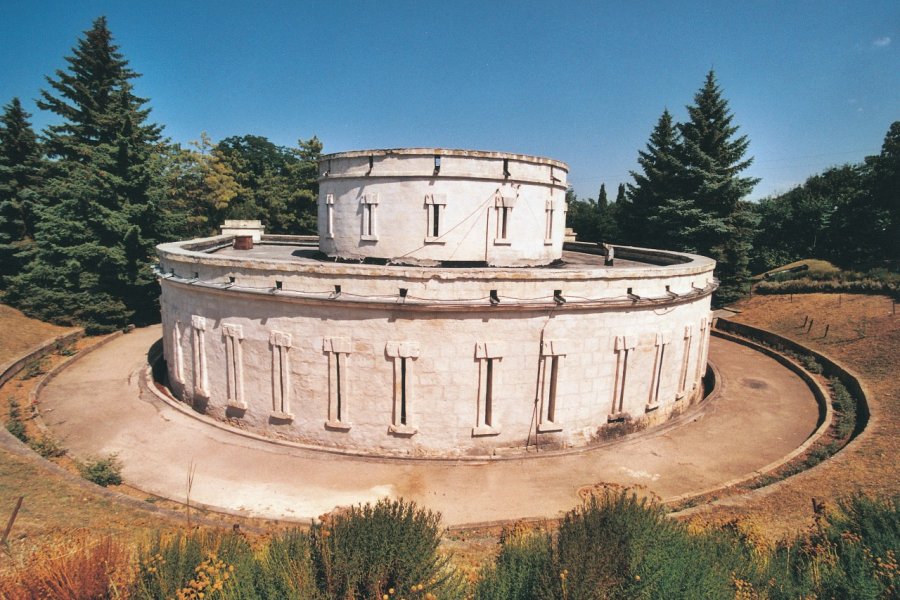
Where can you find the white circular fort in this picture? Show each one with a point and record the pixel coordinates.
(440, 313)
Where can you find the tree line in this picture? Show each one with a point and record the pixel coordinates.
(689, 195)
(83, 205)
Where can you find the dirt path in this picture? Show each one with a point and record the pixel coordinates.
(96, 407)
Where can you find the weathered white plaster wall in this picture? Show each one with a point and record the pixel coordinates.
(380, 204)
(438, 328)
(429, 360)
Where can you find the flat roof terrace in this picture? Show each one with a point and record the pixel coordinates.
(310, 254)
(292, 268)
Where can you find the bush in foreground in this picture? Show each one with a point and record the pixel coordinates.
(102, 471)
(614, 546)
(80, 567)
(387, 548)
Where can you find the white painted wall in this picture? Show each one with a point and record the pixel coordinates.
(401, 187)
(444, 377)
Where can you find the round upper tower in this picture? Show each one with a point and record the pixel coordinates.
(429, 206)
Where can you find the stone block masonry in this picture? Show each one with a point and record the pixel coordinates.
(446, 354)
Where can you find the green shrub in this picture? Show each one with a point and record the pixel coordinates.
(281, 568)
(810, 364)
(369, 550)
(852, 554)
(284, 568)
(17, 428)
(620, 546)
(15, 425)
(516, 574)
(34, 368)
(848, 282)
(844, 409)
(66, 348)
(102, 471)
(47, 447)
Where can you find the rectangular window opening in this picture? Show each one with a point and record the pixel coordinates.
(403, 292)
(436, 221)
(403, 390)
(231, 280)
(278, 284)
(337, 365)
(282, 392)
(504, 218)
(367, 219)
(551, 398)
(489, 393)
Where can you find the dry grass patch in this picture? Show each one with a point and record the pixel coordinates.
(21, 333)
(863, 335)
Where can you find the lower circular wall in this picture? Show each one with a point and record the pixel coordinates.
(429, 379)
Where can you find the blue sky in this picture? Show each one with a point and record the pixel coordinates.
(813, 84)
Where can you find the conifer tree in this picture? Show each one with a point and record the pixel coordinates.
(658, 182)
(95, 235)
(620, 195)
(884, 214)
(305, 173)
(602, 198)
(712, 159)
(21, 167)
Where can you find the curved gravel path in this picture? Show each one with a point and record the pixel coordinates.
(97, 407)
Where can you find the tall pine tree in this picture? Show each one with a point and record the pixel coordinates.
(658, 182)
(21, 171)
(884, 222)
(712, 159)
(95, 235)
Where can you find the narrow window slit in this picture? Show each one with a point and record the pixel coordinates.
(489, 393)
(337, 364)
(403, 390)
(551, 400)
